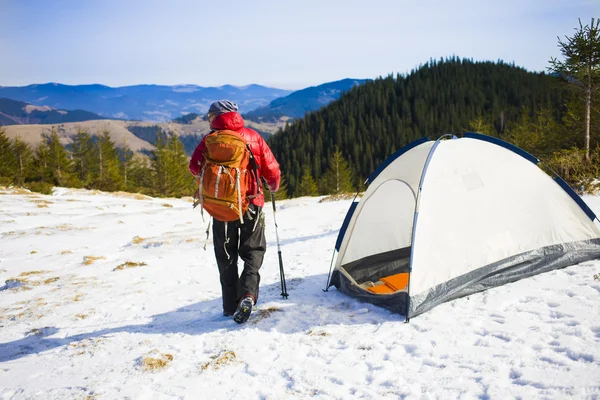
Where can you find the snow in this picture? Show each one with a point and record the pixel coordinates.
(73, 326)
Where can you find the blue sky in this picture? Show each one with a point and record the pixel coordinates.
(278, 43)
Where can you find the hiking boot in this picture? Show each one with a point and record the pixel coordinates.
(244, 310)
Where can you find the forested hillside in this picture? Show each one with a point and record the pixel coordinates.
(371, 121)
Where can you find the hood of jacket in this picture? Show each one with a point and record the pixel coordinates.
(230, 120)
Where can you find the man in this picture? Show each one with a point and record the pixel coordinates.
(247, 239)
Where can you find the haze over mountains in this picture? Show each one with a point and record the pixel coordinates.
(298, 103)
(164, 103)
(141, 102)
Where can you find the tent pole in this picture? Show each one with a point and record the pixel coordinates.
(333, 253)
(330, 268)
(416, 216)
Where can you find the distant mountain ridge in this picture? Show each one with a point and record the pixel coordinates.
(14, 112)
(298, 103)
(141, 102)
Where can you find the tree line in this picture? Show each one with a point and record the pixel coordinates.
(95, 162)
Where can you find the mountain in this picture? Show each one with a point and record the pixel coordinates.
(134, 135)
(141, 102)
(14, 112)
(371, 122)
(298, 103)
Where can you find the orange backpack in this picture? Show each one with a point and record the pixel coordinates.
(225, 176)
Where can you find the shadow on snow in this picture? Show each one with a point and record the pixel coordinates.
(307, 307)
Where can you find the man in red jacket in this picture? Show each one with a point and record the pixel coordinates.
(233, 239)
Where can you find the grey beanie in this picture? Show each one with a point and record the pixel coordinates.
(222, 106)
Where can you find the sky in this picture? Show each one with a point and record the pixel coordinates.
(283, 44)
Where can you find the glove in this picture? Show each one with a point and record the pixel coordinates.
(272, 189)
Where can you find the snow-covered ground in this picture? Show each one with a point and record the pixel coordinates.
(76, 323)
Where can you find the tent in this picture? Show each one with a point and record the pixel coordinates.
(447, 218)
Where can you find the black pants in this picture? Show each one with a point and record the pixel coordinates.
(247, 240)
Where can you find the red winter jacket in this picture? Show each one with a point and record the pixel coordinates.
(267, 165)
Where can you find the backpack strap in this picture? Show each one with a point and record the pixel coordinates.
(239, 191)
(201, 186)
(254, 171)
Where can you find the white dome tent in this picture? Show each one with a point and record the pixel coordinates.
(447, 218)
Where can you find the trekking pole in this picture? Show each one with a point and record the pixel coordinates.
(281, 273)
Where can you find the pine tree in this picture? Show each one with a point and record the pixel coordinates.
(7, 158)
(139, 174)
(581, 67)
(83, 156)
(539, 135)
(480, 125)
(109, 171)
(41, 156)
(307, 186)
(170, 167)
(58, 163)
(281, 194)
(24, 160)
(338, 178)
(181, 180)
(159, 163)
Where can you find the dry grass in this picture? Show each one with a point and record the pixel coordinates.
(81, 316)
(15, 190)
(68, 227)
(78, 297)
(129, 264)
(53, 230)
(264, 313)
(14, 233)
(137, 240)
(36, 332)
(22, 283)
(136, 196)
(155, 363)
(338, 197)
(167, 205)
(318, 333)
(219, 360)
(42, 203)
(64, 252)
(32, 252)
(88, 260)
(28, 273)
